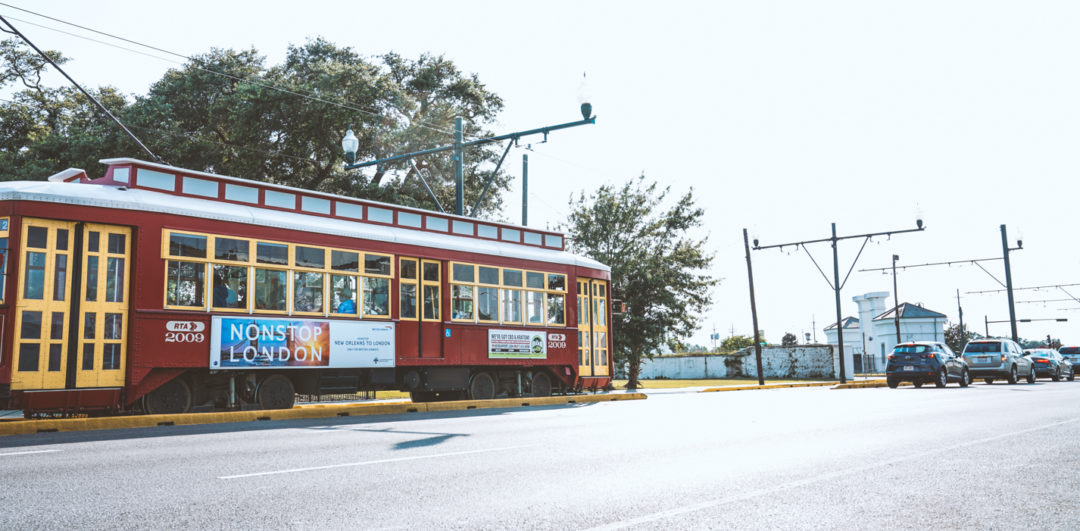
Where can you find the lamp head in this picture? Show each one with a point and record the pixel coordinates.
(350, 144)
(755, 242)
(918, 223)
(584, 99)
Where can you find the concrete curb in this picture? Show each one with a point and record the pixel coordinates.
(869, 384)
(22, 427)
(766, 386)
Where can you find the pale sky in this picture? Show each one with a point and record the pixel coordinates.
(783, 116)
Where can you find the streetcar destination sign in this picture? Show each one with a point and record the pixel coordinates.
(267, 343)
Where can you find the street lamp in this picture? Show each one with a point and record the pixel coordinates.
(350, 144)
(896, 294)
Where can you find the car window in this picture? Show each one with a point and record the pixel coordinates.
(910, 349)
(948, 351)
(1069, 350)
(983, 347)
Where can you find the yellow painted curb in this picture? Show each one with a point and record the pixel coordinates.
(21, 427)
(766, 386)
(869, 384)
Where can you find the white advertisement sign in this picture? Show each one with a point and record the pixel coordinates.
(517, 344)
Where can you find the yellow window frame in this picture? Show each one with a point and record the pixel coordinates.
(363, 258)
(249, 305)
(415, 282)
(471, 285)
(424, 284)
(292, 292)
(389, 296)
(357, 293)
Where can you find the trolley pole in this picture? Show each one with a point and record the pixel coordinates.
(753, 309)
(1008, 282)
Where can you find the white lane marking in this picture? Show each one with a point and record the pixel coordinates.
(376, 462)
(816, 479)
(28, 452)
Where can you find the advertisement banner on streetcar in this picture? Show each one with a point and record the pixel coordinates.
(267, 343)
(517, 344)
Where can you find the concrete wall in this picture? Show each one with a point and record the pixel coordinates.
(803, 361)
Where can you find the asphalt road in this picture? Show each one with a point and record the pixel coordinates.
(994, 456)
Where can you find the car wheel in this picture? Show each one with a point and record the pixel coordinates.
(942, 379)
(988, 380)
(1057, 375)
(893, 383)
(965, 378)
(917, 383)
(1031, 376)
(1012, 375)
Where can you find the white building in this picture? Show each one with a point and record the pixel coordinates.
(874, 332)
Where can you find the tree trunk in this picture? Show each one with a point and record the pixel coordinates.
(633, 372)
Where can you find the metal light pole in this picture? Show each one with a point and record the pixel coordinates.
(753, 309)
(524, 189)
(896, 298)
(960, 309)
(839, 317)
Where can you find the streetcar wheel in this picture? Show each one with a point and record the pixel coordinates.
(482, 387)
(173, 397)
(275, 392)
(541, 384)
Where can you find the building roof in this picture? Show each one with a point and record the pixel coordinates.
(849, 322)
(910, 311)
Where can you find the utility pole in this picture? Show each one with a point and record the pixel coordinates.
(1008, 280)
(524, 189)
(896, 298)
(963, 334)
(753, 309)
(835, 284)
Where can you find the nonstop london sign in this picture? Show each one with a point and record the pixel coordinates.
(248, 343)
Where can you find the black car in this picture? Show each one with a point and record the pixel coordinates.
(1050, 364)
(921, 362)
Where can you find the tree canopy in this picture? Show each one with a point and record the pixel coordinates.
(228, 112)
(657, 268)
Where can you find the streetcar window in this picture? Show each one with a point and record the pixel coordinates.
(487, 302)
(511, 235)
(230, 286)
(185, 284)
(156, 179)
(511, 305)
(88, 357)
(244, 194)
(114, 280)
(376, 297)
(556, 282)
(534, 280)
(463, 227)
(60, 277)
(552, 240)
(37, 237)
(431, 272)
(600, 310)
(344, 261)
(511, 277)
(91, 278)
(532, 238)
(488, 275)
(114, 326)
(408, 301)
(93, 240)
(270, 289)
(61, 239)
(317, 205)
(463, 273)
(434, 223)
(461, 301)
(272, 253)
(280, 199)
(534, 307)
(110, 358)
(487, 231)
(556, 305)
(431, 302)
(28, 356)
(90, 325)
(408, 269)
(187, 245)
(409, 219)
(308, 296)
(3, 265)
(377, 264)
(201, 187)
(310, 257)
(380, 215)
(224, 248)
(343, 294)
(34, 281)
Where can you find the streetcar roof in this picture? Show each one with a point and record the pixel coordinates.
(143, 200)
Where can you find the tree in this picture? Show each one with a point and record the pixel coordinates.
(789, 340)
(955, 340)
(657, 268)
(228, 112)
(734, 343)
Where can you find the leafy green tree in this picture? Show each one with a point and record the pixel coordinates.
(228, 112)
(956, 340)
(657, 268)
(789, 340)
(734, 343)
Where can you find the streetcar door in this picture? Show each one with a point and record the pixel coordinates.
(42, 305)
(599, 327)
(584, 313)
(103, 309)
(419, 330)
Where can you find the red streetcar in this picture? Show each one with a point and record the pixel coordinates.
(165, 290)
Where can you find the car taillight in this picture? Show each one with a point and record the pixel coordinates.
(928, 355)
(1003, 358)
(1042, 361)
(891, 356)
